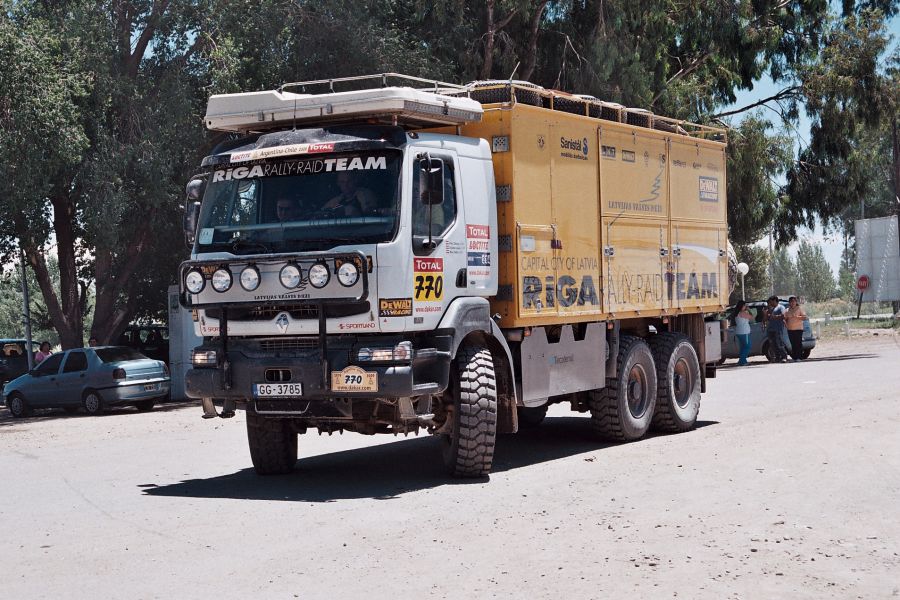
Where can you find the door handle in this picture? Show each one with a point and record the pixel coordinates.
(461, 278)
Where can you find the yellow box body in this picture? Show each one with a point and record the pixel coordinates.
(604, 220)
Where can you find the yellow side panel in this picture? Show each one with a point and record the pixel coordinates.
(697, 176)
(700, 266)
(634, 268)
(536, 285)
(531, 152)
(575, 193)
(633, 173)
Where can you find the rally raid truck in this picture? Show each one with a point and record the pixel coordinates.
(387, 258)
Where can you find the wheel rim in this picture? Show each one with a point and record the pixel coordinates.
(15, 406)
(637, 391)
(682, 383)
(91, 403)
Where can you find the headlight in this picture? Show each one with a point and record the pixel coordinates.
(400, 352)
(221, 280)
(290, 276)
(348, 274)
(250, 278)
(194, 281)
(319, 275)
(204, 358)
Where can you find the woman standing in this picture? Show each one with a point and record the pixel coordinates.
(793, 320)
(42, 353)
(742, 320)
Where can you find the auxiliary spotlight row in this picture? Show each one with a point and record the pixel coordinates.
(290, 276)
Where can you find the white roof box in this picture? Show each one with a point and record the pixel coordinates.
(261, 111)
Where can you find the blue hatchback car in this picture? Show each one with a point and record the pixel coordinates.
(89, 378)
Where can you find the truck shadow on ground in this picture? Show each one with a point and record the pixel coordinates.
(387, 471)
(44, 414)
(812, 359)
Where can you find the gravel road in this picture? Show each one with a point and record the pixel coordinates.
(788, 488)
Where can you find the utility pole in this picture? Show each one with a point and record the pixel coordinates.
(771, 263)
(26, 310)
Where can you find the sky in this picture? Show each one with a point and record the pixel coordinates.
(832, 245)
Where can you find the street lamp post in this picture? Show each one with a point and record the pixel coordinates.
(743, 269)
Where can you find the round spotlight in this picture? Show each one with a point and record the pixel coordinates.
(348, 274)
(194, 281)
(221, 280)
(250, 278)
(290, 276)
(319, 275)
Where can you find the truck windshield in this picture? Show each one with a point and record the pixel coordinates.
(301, 203)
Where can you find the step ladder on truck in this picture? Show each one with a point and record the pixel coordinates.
(387, 254)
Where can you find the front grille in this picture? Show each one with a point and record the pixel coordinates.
(306, 310)
(289, 344)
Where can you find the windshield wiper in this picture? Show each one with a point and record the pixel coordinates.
(239, 244)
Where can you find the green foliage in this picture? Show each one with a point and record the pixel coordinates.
(816, 282)
(757, 278)
(756, 159)
(784, 273)
(853, 96)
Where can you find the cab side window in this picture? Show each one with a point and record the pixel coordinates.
(442, 215)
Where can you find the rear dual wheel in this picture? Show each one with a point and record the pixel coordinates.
(678, 382)
(623, 410)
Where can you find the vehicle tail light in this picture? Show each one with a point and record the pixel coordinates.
(165, 369)
(119, 374)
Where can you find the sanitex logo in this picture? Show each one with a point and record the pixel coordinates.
(571, 148)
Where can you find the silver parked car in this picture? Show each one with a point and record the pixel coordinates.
(759, 343)
(89, 378)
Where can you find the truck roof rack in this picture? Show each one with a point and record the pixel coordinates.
(375, 98)
(415, 102)
(511, 92)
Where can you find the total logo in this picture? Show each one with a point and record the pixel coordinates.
(577, 145)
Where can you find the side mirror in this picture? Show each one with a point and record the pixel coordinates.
(431, 178)
(189, 223)
(195, 188)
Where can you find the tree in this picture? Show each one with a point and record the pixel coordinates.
(784, 273)
(756, 159)
(756, 281)
(853, 95)
(816, 282)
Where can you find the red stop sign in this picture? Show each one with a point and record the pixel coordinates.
(862, 283)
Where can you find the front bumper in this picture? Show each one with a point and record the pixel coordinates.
(249, 363)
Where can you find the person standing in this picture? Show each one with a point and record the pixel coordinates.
(742, 319)
(42, 353)
(775, 329)
(793, 320)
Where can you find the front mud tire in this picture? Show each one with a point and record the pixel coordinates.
(469, 448)
(273, 445)
(623, 410)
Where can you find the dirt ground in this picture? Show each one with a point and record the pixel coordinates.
(788, 488)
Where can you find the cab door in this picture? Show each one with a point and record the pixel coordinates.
(439, 238)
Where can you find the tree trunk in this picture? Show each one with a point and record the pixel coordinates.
(531, 51)
(489, 34)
